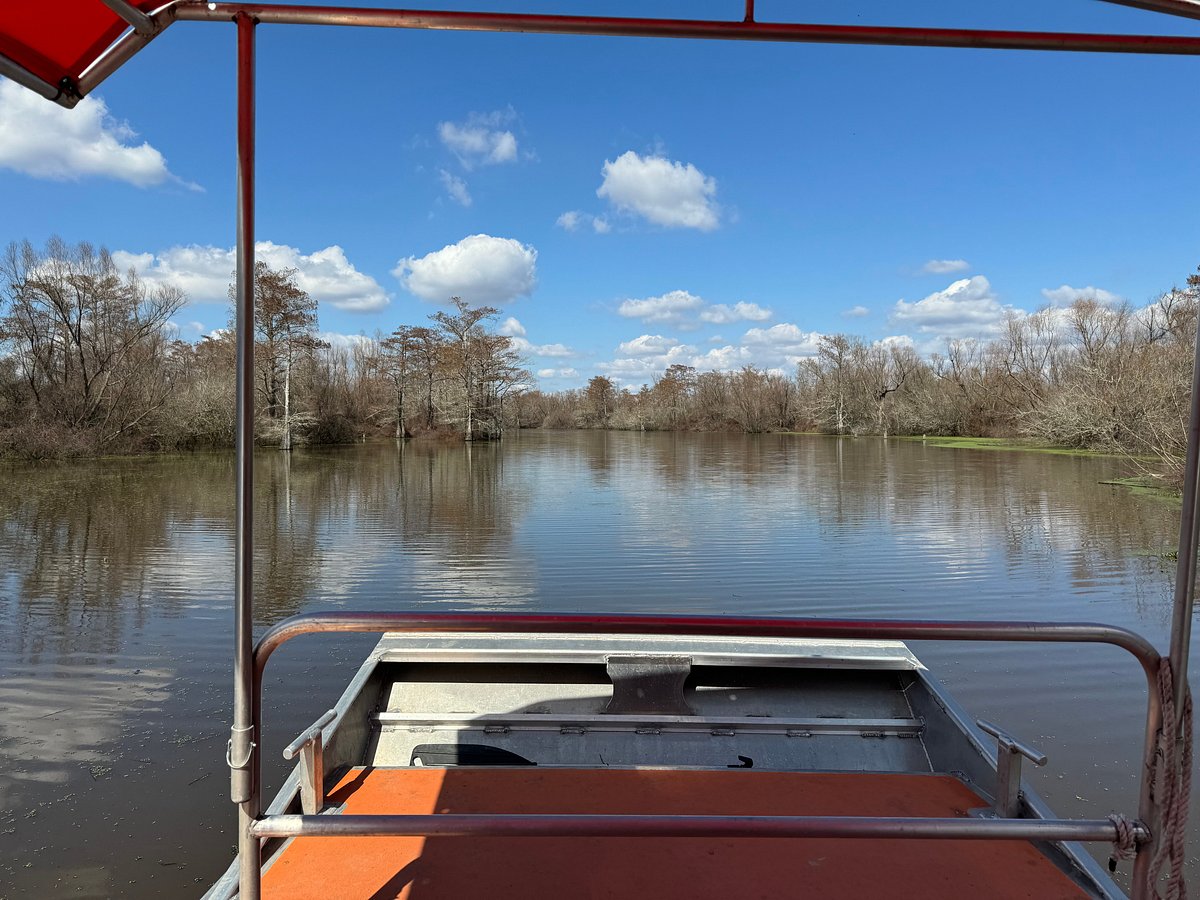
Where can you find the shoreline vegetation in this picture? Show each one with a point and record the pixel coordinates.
(92, 366)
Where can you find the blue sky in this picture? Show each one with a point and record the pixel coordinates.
(629, 203)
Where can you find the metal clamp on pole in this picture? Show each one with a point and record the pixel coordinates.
(1008, 768)
(311, 749)
(241, 747)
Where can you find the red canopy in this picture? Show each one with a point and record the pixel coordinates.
(57, 40)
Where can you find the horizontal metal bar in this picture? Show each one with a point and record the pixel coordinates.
(490, 825)
(291, 14)
(25, 78)
(621, 723)
(1007, 741)
(828, 629)
(138, 20)
(312, 732)
(122, 51)
(1188, 9)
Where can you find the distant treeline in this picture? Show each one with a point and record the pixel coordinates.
(1088, 376)
(91, 365)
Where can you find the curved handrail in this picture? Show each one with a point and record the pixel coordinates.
(732, 626)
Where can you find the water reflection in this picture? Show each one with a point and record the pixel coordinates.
(114, 608)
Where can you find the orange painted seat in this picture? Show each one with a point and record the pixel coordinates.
(382, 868)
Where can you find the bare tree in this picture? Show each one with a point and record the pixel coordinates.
(89, 343)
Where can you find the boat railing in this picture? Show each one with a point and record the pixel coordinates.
(1116, 829)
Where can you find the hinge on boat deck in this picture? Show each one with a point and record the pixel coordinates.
(572, 729)
(496, 729)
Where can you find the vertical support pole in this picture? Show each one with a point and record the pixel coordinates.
(244, 785)
(1189, 531)
(312, 777)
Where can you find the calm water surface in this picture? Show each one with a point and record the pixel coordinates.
(117, 577)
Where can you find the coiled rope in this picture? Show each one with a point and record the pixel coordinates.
(1172, 788)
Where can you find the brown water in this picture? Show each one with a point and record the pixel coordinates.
(116, 582)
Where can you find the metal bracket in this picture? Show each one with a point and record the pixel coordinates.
(1009, 751)
(310, 748)
(649, 685)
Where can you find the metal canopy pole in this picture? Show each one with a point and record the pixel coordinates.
(1189, 9)
(440, 20)
(243, 749)
(1189, 537)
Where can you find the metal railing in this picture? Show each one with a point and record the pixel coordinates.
(850, 827)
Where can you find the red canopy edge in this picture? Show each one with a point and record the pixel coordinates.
(48, 46)
(63, 49)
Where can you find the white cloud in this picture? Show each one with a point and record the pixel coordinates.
(557, 373)
(647, 345)
(205, 272)
(479, 268)
(480, 140)
(945, 266)
(671, 308)
(967, 308)
(782, 344)
(455, 187)
(721, 314)
(1066, 295)
(668, 193)
(45, 140)
(341, 341)
(896, 340)
(779, 349)
(523, 345)
(511, 327)
(572, 219)
(856, 312)
(569, 221)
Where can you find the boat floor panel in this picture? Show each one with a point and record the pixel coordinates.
(663, 868)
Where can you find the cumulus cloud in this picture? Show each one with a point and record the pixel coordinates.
(557, 373)
(344, 341)
(1066, 295)
(671, 308)
(778, 348)
(481, 140)
(684, 310)
(664, 192)
(45, 140)
(455, 187)
(524, 345)
(511, 327)
(573, 219)
(569, 221)
(855, 312)
(967, 308)
(721, 314)
(205, 272)
(515, 331)
(784, 342)
(647, 345)
(945, 266)
(479, 268)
